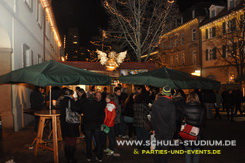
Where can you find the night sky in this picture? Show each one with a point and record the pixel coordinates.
(88, 16)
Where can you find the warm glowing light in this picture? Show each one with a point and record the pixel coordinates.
(113, 60)
(170, 1)
(196, 73)
(51, 19)
(74, 42)
(63, 59)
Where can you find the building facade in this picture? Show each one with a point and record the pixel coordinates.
(223, 42)
(28, 36)
(209, 40)
(180, 47)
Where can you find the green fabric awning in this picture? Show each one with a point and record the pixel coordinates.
(52, 73)
(172, 78)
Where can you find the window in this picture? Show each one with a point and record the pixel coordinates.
(241, 47)
(213, 32)
(213, 13)
(232, 4)
(183, 59)
(224, 27)
(27, 56)
(210, 33)
(234, 49)
(193, 14)
(224, 51)
(207, 55)
(182, 39)
(214, 51)
(31, 59)
(39, 59)
(194, 37)
(232, 25)
(194, 57)
(39, 14)
(242, 22)
(29, 4)
(177, 60)
(211, 54)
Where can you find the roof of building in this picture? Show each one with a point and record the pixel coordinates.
(224, 12)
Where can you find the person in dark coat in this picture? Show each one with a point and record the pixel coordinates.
(194, 114)
(230, 102)
(93, 117)
(224, 97)
(163, 120)
(129, 114)
(104, 93)
(238, 100)
(141, 110)
(81, 98)
(179, 102)
(218, 104)
(70, 132)
(37, 99)
(209, 100)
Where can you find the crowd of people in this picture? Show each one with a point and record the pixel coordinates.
(137, 115)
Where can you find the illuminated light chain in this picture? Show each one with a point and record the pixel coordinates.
(49, 14)
(230, 16)
(180, 27)
(113, 11)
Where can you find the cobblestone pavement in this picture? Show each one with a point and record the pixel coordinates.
(16, 146)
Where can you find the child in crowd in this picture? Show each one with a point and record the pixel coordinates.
(110, 115)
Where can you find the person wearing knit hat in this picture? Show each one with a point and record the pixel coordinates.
(163, 121)
(166, 91)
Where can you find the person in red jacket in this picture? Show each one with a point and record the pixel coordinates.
(110, 115)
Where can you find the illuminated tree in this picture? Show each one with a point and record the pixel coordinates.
(229, 43)
(139, 23)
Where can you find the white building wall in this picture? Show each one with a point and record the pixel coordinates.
(24, 30)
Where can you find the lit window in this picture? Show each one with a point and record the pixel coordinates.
(75, 42)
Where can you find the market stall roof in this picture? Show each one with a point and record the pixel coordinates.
(52, 73)
(172, 78)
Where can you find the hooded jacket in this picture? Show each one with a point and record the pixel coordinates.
(110, 114)
(163, 118)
